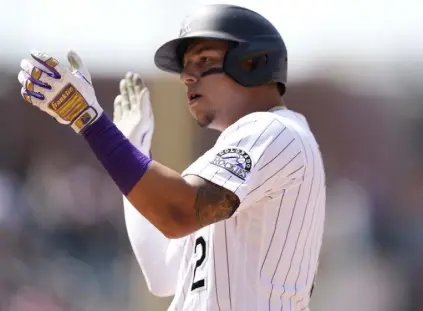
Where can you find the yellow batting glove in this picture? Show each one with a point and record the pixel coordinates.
(65, 93)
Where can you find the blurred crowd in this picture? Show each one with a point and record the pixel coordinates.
(63, 240)
(63, 244)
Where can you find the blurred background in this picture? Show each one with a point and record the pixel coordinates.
(355, 72)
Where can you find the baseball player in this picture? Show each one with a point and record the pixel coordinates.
(241, 228)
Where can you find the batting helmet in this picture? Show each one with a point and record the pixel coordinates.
(254, 38)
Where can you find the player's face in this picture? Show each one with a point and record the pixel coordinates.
(209, 97)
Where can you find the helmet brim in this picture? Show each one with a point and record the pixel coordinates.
(168, 57)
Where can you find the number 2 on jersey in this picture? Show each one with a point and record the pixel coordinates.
(200, 247)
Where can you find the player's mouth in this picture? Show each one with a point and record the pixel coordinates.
(193, 97)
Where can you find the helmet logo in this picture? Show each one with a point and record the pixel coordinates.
(184, 31)
(186, 27)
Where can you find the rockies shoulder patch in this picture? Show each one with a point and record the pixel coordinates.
(235, 161)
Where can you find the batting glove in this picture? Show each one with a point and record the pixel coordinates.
(65, 93)
(133, 114)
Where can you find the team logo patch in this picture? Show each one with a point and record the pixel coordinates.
(234, 160)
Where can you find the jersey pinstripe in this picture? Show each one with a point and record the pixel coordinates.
(266, 255)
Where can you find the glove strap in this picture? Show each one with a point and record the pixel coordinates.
(84, 120)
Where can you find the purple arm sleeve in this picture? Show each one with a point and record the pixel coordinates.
(124, 163)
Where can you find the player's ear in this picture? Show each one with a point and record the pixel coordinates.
(78, 65)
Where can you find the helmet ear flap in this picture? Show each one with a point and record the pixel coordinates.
(251, 64)
(248, 67)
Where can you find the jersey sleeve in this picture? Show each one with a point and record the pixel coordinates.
(158, 257)
(255, 157)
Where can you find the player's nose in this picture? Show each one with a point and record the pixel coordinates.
(189, 77)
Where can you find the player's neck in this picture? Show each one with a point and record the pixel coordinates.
(264, 104)
(233, 115)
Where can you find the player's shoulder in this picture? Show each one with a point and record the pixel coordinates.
(273, 120)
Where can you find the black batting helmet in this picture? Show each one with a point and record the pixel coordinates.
(254, 38)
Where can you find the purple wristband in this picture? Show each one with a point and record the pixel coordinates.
(124, 163)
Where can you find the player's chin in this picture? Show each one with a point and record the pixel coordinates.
(206, 122)
(204, 118)
(196, 110)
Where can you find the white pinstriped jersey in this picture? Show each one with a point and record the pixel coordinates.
(265, 256)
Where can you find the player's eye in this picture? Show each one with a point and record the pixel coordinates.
(200, 62)
(205, 59)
